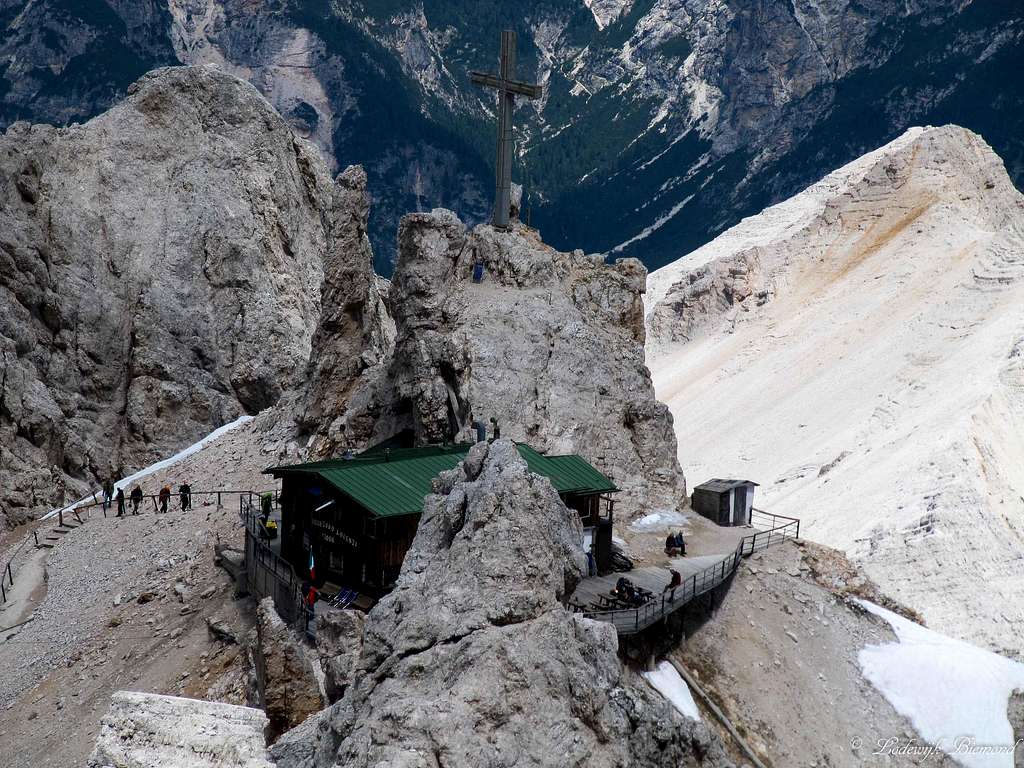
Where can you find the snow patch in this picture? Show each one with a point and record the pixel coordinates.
(658, 520)
(955, 694)
(658, 224)
(666, 681)
(163, 464)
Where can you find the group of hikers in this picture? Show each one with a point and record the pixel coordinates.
(675, 545)
(626, 591)
(112, 497)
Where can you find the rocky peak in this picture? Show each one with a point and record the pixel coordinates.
(354, 335)
(160, 271)
(549, 343)
(473, 660)
(851, 213)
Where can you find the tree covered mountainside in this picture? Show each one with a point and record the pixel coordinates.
(664, 121)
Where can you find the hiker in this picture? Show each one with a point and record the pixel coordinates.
(165, 497)
(310, 602)
(185, 492)
(674, 582)
(136, 498)
(120, 502)
(671, 546)
(681, 544)
(624, 590)
(497, 429)
(108, 494)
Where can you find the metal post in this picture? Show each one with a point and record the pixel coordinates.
(35, 534)
(218, 500)
(3, 592)
(60, 517)
(9, 574)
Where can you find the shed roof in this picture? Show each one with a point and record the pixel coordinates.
(395, 482)
(718, 485)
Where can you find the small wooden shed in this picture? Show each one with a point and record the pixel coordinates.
(726, 502)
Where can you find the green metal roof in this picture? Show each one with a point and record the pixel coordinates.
(577, 474)
(395, 482)
(569, 474)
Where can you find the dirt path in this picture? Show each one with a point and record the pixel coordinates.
(122, 604)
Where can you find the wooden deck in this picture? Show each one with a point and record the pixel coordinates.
(652, 579)
(699, 575)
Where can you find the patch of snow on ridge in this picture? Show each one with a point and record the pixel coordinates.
(658, 224)
(955, 694)
(666, 681)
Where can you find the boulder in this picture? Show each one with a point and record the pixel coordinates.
(287, 687)
(145, 729)
(232, 561)
(221, 630)
(473, 660)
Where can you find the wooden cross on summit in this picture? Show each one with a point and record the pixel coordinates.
(508, 88)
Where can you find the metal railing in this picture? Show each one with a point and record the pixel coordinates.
(76, 511)
(173, 501)
(7, 575)
(629, 621)
(774, 530)
(267, 574)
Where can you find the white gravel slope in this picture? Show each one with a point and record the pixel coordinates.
(869, 372)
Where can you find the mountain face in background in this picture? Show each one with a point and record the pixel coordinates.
(859, 349)
(664, 121)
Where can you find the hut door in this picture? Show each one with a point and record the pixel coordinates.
(724, 510)
(739, 515)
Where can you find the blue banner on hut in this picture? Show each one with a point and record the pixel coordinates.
(357, 516)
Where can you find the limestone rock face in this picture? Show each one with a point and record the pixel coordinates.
(354, 335)
(143, 730)
(550, 344)
(287, 687)
(859, 351)
(472, 660)
(160, 270)
(339, 642)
